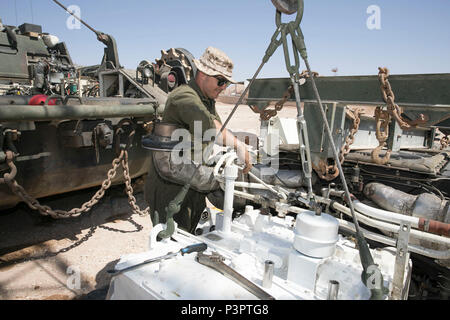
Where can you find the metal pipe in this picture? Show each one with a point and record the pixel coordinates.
(435, 254)
(219, 163)
(435, 227)
(268, 274)
(231, 173)
(229, 158)
(75, 16)
(425, 211)
(250, 185)
(246, 195)
(385, 215)
(282, 195)
(392, 227)
(333, 290)
(72, 112)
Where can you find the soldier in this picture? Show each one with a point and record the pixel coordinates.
(189, 106)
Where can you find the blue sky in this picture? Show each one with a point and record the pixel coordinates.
(414, 36)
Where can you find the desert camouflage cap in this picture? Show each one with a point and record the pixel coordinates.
(215, 62)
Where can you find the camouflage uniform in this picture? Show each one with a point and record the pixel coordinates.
(184, 105)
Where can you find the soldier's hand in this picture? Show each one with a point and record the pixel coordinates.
(248, 167)
(244, 156)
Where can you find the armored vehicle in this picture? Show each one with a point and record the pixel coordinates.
(62, 126)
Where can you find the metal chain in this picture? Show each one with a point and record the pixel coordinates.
(75, 212)
(305, 74)
(382, 119)
(355, 115)
(330, 172)
(129, 188)
(325, 171)
(266, 114)
(393, 109)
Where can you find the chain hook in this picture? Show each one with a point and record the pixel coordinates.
(119, 131)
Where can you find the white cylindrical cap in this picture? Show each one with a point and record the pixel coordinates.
(316, 235)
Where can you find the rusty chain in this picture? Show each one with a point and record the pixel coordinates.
(305, 74)
(393, 109)
(382, 119)
(326, 171)
(356, 116)
(129, 188)
(122, 159)
(330, 172)
(266, 113)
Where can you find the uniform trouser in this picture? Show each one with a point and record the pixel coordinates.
(158, 193)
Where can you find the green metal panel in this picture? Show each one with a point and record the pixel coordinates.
(414, 89)
(316, 129)
(13, 63)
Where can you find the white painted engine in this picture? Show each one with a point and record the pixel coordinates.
(283, 257)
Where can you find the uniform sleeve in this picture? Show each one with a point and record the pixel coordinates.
(192, 112)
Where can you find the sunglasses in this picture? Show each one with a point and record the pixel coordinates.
(221, 81)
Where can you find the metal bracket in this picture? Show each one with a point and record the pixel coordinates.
(402, 257)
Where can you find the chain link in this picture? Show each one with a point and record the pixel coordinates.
(356, 116)
(382, 119)
(129, 188)
(326, 171)
(394, 110)
(330, 172)
(266, 114)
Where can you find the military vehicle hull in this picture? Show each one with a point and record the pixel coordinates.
(64, 125)
(46, 167)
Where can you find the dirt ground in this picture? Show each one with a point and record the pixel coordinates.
(43, 258)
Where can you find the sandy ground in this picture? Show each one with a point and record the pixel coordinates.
(244, 119)
(42, 258)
